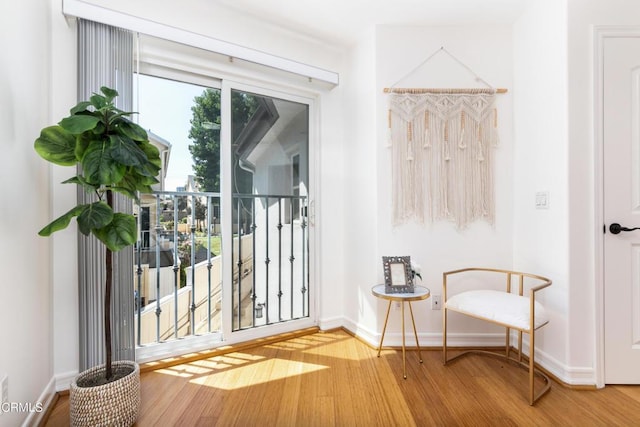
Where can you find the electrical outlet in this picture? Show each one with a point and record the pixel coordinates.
(4, 389)
(436, 302)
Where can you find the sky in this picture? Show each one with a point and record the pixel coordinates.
(164, 108)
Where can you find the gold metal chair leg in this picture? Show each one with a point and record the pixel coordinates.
(444, 335)
(415, 332)
(532, 355)
(386, 319)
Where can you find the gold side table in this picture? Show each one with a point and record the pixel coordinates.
(420, 293)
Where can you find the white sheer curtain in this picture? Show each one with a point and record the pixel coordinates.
(105, 58)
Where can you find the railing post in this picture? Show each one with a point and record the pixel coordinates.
(280, 259)
(209, 206)
(292, 258)
(267, 261)
(193, 264)
(305, 246)
(254, 296)
(139, 294)
(157, 229)
(239, 264)
(176, 266)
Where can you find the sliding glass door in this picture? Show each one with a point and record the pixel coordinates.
(270, 192)
(224, 240)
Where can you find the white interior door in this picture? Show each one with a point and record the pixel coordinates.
(621, 127)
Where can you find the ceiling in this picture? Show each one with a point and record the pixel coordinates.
(343, 21)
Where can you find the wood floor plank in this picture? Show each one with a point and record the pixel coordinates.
(333, 379)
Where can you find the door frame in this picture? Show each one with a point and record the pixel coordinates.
(600, 34)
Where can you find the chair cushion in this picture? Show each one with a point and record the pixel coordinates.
(500, 307)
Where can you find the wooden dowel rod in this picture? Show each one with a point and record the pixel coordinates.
(440, 90)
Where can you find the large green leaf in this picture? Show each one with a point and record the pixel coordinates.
(154, 165)
(82, 142)
(116, 116)
(62, 222)
(134, 182)
(109, 93)
(126, 191)
(98, 101)
(57, 146)
(79, 123)
(95, 215)
(148, 170)
(99, 166)
(132, 130)
(81, 106)
(125, 151)
(99, 130)
(120, 233)
(79, 180)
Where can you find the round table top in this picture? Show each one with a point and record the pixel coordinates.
(419, 293)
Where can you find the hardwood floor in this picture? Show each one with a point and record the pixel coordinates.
(333, 379)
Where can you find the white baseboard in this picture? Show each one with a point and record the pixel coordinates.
(331, 323)
(36, 417)
(567, 374)
(64, 380)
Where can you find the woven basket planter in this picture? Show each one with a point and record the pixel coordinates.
(114, 404)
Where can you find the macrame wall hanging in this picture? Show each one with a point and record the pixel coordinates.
(441, 144)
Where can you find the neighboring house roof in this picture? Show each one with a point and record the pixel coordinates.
(262, 120)
(164, 147)
(274, 121)
(158, 140)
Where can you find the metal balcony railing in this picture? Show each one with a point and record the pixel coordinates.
(178, 277)
(271, 269)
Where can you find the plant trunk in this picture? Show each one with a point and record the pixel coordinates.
(107, 302)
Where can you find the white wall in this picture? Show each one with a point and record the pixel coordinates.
(26, 294)
(64, 271)
(541, 165)
(379, 60)
(360, 208)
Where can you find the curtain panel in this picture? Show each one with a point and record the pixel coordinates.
(105, 58)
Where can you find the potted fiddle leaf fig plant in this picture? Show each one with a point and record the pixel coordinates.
(111, 154)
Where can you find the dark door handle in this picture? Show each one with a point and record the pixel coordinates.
(616, 228)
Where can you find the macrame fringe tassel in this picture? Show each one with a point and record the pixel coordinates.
(389, 131)
(496, 137)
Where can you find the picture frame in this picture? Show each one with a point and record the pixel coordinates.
(397, 274)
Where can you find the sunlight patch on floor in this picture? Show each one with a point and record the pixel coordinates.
(319, 345)
(245, 376)
(206, 366)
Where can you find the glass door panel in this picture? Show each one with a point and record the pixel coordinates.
(178, 260)
(270, 182)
